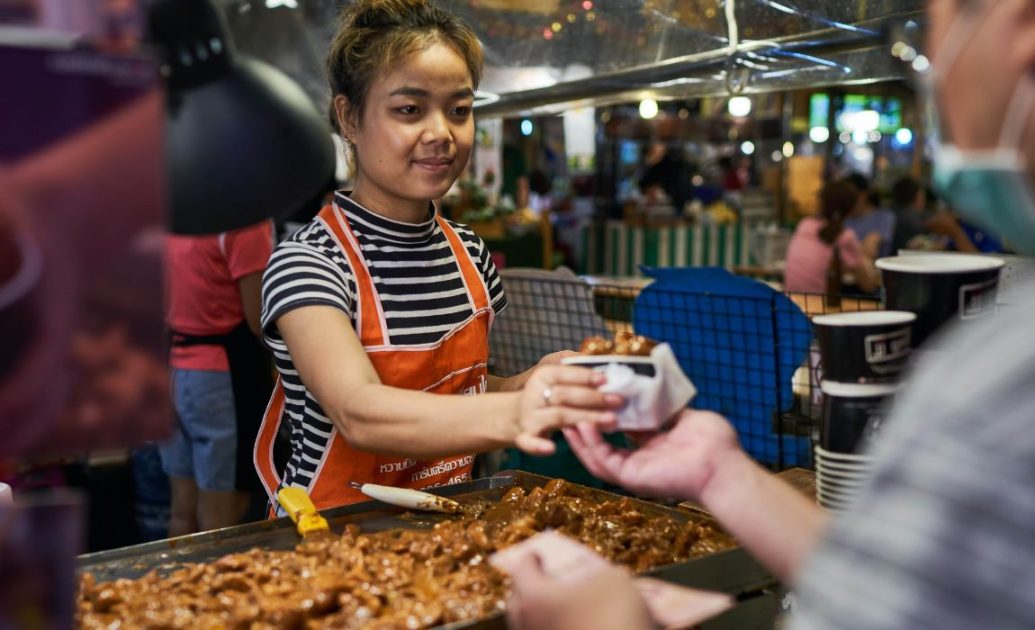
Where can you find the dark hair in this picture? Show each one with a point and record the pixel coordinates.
(836, 200)
(859, 181)
(904, 192)
(375, 34)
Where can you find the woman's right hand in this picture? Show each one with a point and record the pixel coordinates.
(556, 396)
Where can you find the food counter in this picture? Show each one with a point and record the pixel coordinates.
(504, 509)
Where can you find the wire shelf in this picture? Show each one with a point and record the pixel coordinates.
(750, 350)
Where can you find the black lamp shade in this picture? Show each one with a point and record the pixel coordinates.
(243, 148)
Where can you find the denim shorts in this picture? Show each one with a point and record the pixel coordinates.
(204, 442)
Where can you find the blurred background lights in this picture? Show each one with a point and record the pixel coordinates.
(819, 135)
(739, 106)
(648, 108)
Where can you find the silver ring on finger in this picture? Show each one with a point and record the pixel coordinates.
(547, 393)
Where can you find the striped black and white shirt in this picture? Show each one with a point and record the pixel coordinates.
(414, 273)
(943, 535)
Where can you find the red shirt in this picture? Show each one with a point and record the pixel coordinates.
(203, 297)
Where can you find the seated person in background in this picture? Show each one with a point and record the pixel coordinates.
(916, 227)
(873, 226)
(666, 178)
(909, 203)
(811, 253)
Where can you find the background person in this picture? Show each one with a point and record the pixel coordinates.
(822, 249)
(873, 226)
(221, 375)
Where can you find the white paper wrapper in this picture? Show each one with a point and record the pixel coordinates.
(650, 400)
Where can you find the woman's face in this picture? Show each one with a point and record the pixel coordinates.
(415, 135)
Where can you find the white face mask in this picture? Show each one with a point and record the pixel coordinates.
(990, 187)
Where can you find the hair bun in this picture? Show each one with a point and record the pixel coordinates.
(383, 13)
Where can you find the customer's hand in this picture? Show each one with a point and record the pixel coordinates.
(675, 464)
(556, 396)
(944, 223)
(603, 599)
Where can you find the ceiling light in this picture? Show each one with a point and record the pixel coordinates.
(739, 106)
(819, 135)
(648, 108)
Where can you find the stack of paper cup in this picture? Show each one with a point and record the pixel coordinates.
(853, 416)
(862, 355)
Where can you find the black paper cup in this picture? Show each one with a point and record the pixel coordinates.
(864, 347)
(852, 415)
(940, 288)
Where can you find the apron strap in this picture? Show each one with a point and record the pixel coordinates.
(474, 281)
(369, 317)
(265, 442)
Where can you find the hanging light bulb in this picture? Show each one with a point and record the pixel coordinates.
(648, 108)
(739, 106)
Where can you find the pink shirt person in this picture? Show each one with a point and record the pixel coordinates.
(808, 256)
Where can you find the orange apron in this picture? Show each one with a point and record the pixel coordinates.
(456, 364)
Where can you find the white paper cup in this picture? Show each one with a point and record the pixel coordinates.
(840, 484)
(6, 497)
(840, 474)
(842, 458)
(844, 468)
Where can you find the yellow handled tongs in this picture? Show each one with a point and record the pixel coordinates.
(300, 508)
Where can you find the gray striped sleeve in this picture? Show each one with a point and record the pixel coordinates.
(299, 275)
(943, 536)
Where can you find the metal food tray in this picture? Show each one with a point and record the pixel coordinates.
(732, 571)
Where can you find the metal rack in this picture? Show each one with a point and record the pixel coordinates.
(750, 351)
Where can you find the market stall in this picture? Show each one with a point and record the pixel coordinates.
(87, 357)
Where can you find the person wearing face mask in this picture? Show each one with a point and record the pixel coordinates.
(941, 536)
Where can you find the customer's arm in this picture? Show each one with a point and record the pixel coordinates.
(700, 460)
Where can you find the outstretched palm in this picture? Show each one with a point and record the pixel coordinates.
(674, 464)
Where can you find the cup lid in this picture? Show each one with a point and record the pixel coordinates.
(865, 318)
(939, 263)
(858, 390)
(845, 469)
(824, 454)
